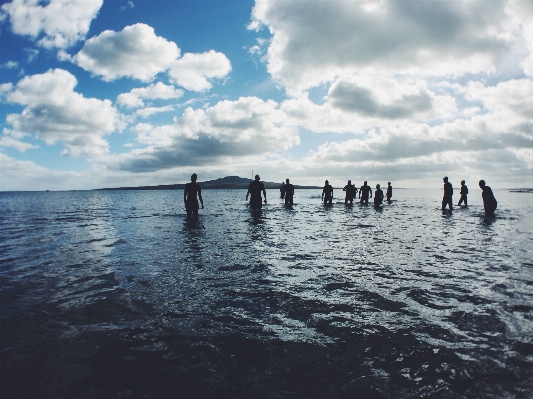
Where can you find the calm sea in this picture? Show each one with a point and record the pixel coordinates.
(113, 294)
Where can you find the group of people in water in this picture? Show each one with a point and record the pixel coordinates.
(365, 192)
(257, 194)
(489, 201)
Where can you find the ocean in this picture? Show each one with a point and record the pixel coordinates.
(114, 294)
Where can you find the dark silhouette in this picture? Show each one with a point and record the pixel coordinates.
(327, 193)
(192, 189)
(489, 202)
(364, 191)
(254, 191)
(378, 196)
(448, 193)
(351, 192)
(289, 193)
(464, 193)
(389, 192)
(282, 190)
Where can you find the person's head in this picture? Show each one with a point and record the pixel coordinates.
(482, 183)
(445, 179)
(257, 177)
(194, 177)
(287, 181)
(378, 186)
(327, 182)
(349, 182)
(462, 182)
(364, 184)
(388, 183)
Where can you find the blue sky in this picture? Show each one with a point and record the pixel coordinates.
(98, 93)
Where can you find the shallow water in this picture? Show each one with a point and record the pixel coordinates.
(114, 294)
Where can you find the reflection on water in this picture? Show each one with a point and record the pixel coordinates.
(117, 294)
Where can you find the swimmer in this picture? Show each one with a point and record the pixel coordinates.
(378, 196)
(289, 193)
(192, 189)
(464, 192)
(351, 192)
(254, 191)
(364, 191)
(448, 193)
(327, 193)
(489, 202)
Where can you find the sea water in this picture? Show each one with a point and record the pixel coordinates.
(111, 294)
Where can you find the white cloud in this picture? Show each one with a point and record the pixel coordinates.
(149, 111)
(134, 52)
(12, 138)
(134, 98)
(317, 41)
(193, 71)
(138, 53)
(55, 112)
(226, 132)
(10, 65)
(59, 23)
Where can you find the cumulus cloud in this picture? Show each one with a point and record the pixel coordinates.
(383, 98)
(248, 127)
(193, 71)
(158, 91)
(56, 23)
(137, 52)
(55, 112)
(149, 111)
(12, 139)
(316, 41)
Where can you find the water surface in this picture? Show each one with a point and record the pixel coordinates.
(115, 294)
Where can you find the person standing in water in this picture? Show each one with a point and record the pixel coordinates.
(254, 191)
(464, 192)
(389, 192)
(192, 189)
(489, 202)
(378, 196)
(289, 193)
(448, 194)
(327, 193)
(282, 190)
(351, 192)
(363, 193)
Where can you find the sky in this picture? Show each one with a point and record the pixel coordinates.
(111, 93)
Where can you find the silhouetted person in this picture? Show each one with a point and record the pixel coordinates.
(327, 193)
(289, 193)
(254, 191)
(282, 190)
(364, 191)
(192, 189)
(464, 193)
(448, 194)
(378, 196)
(351, 192)
(389, 192)
(489, 202)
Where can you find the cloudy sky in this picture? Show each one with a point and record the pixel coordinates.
(106, 93)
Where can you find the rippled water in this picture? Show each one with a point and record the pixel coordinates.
(114, 294)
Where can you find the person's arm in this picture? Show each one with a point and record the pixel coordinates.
(200, 196)
(185, 195)
(322, 193)
(265, 195)
(248, 193)
(370, 190)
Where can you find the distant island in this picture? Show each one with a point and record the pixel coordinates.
(228, 183)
